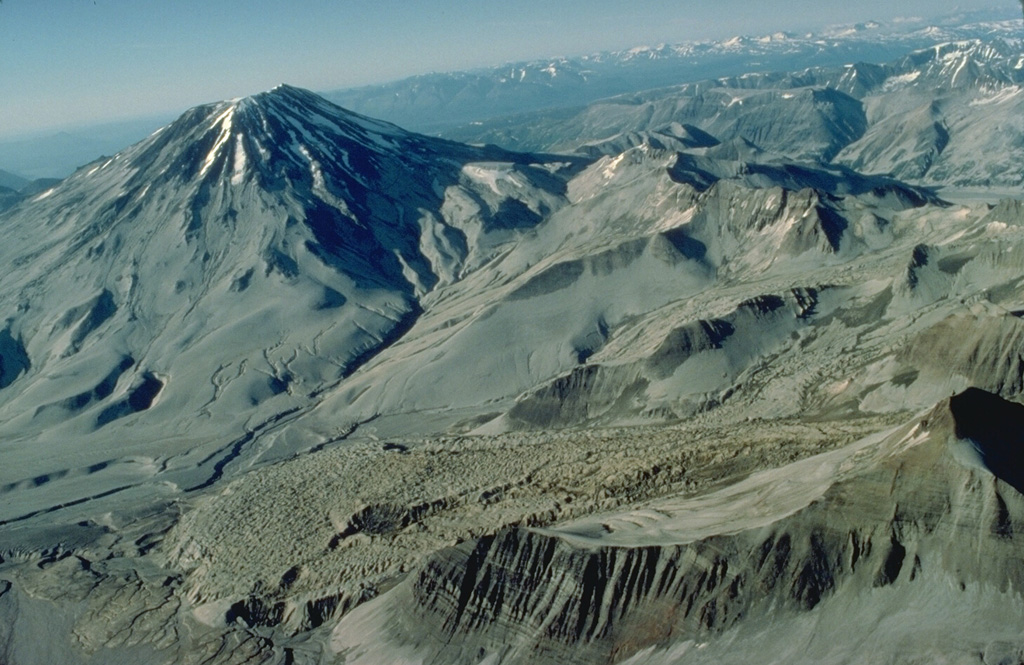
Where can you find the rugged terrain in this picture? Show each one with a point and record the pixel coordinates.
(872, 552)
(926, 117)
(283, 383)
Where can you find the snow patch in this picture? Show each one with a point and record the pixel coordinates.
(902, 79)
(240, 161)
(674, 220)
(491, 177)
(225, 122)
(960, 68)
(609, 171)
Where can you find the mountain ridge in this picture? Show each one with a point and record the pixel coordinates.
(272, 243)
(669, 580)
(921, 117)
(424, 102)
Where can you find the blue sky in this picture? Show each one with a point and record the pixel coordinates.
(73, 62)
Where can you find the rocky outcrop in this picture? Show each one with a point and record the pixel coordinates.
(87, 318)
(14, 360)
(594, 391)
(984, 349)
(140, 397)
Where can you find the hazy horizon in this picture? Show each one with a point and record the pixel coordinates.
(82, 63)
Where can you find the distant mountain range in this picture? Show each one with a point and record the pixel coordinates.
(442, 103)
(58, 155)
(435, 103)
(14, 188)
(947, 115)
(12, 181)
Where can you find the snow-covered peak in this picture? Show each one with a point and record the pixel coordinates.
(968, 62)
(239, 261)
(285, 99)
(269, 135)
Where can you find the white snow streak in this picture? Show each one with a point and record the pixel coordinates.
(960, 67)
(240, 161)
(315, 171)
(224, 120)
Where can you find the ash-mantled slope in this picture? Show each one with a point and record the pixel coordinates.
(651, 238)
(448, 330)
(220, 274)
(265, 275)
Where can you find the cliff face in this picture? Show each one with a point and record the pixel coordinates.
(932, 506)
